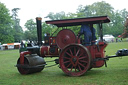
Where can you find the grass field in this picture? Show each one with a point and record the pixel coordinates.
(115, 74)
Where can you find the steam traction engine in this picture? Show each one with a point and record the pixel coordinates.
(75, 59)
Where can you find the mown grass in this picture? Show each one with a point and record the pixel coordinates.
(115, 74)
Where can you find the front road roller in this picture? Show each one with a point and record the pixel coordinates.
(30, 63)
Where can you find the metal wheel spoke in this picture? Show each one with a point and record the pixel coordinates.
(77, 52)
(66, 62)
(83, 57)
(80, 55)
(83, 61)
(71, 52)
(68, 65)
(68, 54)
(79, 68)
(81, 65)
(71, 68)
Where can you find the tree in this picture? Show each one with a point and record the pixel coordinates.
(30, 25)
(96, 9)
(101, 8)
(57, 16)
(84, 11)
(18, 32)
(6, 23)
(31, 32)
(115, 27)
(124, 14)
(46, 29)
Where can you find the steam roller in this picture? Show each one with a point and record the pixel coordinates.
(73, 56)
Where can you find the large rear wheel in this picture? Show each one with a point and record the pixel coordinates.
(74, 60)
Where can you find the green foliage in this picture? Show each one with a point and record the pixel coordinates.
(18, 32)
(15, 13)
(30, 25)
(31, 32)
(9, 27)
(30, 35)
(6, 38)
(61, 15)
(57, 16)
(115, 27)
(46, 29)
(6, 23)
(96, 9)
(101, 9)
(18, 36)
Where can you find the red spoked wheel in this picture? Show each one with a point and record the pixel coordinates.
(74, 60)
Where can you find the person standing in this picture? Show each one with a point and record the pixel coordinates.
(89, 34)
(116, 39)
(22, 44)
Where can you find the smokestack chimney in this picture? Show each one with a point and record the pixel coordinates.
(39, 30)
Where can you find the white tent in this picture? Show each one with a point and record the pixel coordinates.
(108, 38)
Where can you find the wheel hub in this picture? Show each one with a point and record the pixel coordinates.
(74, 60)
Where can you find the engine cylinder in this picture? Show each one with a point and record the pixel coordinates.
(51, 51)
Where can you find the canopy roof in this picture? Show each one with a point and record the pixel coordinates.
(79, 21)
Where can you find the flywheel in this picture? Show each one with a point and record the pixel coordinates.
(65, 37)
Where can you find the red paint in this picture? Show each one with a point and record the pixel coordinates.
(65, 37)
(45, 51)
(79, 21)
(22, 56)
(74, 60)
(97, 53)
